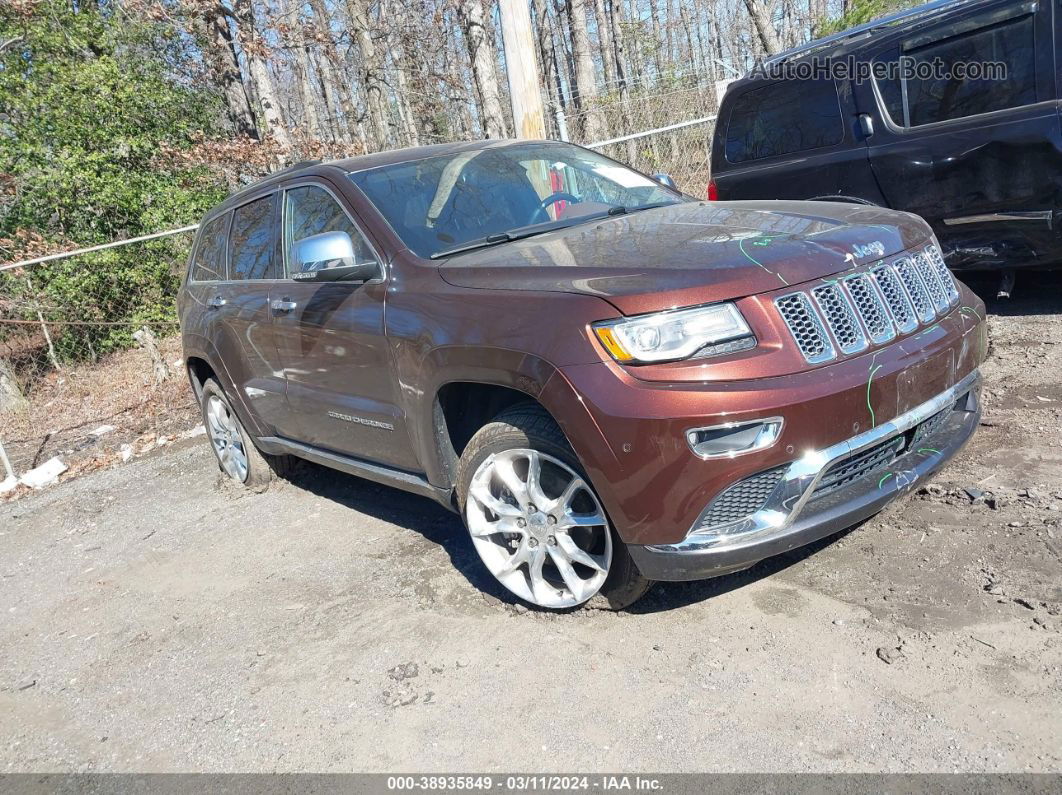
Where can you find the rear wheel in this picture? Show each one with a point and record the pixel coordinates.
(535, 520)
(238, 458)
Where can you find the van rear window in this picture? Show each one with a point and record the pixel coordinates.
(782, 118)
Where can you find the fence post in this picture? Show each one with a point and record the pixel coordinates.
(562, 123)
(44, 327)
(10, 480)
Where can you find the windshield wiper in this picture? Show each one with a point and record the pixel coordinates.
(516, 234)
(521, 233)
(483, 242)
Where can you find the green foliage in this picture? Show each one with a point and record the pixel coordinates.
(862, 11)
(93, 106)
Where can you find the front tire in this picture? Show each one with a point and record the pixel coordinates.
(535, 519)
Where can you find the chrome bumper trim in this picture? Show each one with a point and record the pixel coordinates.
(798, 484)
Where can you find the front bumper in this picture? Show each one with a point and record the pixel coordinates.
(793, 516)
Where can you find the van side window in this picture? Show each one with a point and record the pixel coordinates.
(953, 95)
(310, 210)
(784, 117)
(208, 265)
(252, 244)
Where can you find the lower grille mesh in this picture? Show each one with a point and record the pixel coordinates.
(858, 465)
(742, 499)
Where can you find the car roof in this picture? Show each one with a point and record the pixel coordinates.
(362, 163)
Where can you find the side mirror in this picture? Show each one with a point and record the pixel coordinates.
(329, 257)
(666, 180)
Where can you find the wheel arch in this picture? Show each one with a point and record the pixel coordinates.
(477, 384)
(489, 382)
(201, 362)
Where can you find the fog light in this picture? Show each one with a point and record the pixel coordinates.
(734, 438)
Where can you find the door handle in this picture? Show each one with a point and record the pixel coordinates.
(216, 301)
(283, 306)
(866, 124)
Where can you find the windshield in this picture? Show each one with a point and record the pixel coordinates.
(440, 203)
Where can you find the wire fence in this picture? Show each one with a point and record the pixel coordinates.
(90, 368)
(89, 354)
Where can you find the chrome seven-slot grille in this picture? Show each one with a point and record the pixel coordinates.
(869, 308)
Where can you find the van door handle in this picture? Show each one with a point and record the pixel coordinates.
(866, 124)
(216, 301)
(283, 306)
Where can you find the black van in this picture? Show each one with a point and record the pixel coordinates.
(978, 157)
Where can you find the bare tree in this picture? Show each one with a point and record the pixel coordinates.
(220, 57)
(372, 82)
(585, 82)
(482, 59)
(604, 45)
(761, 15)
(255, 52)
(296, 40)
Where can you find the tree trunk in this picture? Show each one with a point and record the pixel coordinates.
(303, 75)
(253, 47)
(658, 37)
(371, 75)
(220, 55)
(604, 44)
(585, 83)
(614, 12)
(405, 108)
(340, 107)
(761, 14)
(482, 59)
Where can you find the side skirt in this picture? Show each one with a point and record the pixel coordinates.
(378, 473)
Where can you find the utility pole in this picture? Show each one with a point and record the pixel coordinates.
(522, 70)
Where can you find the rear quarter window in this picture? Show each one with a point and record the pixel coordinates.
(782, 118)
(208, 263)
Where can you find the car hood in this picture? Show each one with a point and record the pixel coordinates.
(692, 253)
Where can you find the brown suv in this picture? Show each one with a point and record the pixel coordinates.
(611, 383)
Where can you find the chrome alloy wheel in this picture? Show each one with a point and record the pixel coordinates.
(226, 438)
(539, 528)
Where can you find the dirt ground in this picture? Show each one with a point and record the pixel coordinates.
(157, 620)
(117, 393)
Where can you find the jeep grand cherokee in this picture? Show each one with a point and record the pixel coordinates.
(612, 383)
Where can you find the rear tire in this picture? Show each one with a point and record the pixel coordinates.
(238, 458)
(560, 554)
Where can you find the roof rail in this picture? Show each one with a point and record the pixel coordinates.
(279, 173)
(868, 27)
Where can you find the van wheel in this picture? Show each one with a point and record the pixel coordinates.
(535, 520)
(238, 458)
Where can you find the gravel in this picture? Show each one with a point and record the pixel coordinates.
(156, 620)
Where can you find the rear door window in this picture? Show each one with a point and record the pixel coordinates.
(208, 264)
(933, 82)
(783, 118)
(252, 240)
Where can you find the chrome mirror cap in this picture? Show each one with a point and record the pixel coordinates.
(324, 251)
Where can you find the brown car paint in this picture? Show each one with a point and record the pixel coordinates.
(518, 315)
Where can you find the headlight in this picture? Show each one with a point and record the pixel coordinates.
(681, 334)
